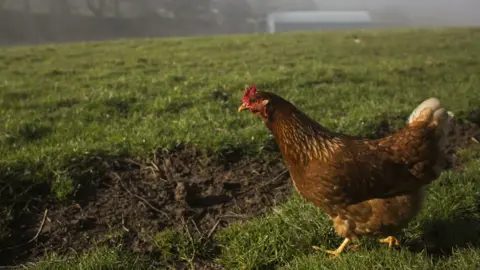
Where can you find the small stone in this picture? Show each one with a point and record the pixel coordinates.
(180, 191)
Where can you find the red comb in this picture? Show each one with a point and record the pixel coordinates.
(250, 91)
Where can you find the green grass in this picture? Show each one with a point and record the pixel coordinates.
(65, 108)
(98, 258)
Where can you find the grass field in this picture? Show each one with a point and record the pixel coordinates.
(67, 110)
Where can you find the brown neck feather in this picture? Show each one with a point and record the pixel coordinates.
(299, 137)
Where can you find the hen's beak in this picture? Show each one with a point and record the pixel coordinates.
(242, 108)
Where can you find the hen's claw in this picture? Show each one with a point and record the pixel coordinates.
(335, 253)
(391, 241)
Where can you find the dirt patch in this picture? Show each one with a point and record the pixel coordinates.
(463, 135)
(134, 201)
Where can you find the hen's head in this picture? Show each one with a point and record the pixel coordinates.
(256, 102)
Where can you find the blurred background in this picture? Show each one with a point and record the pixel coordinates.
(40, 21)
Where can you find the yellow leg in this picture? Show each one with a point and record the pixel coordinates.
(475, 140)
(336, 253)
(391, 241)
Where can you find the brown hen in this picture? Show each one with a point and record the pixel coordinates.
(367, 187)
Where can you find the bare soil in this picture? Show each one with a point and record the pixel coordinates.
(136, 200)
(177, 189)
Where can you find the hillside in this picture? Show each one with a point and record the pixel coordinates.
(132, 154)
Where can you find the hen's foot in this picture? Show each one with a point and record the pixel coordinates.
(334, 253)
(338, 251)
(391, 241)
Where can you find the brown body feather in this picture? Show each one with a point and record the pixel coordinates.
(367, 187)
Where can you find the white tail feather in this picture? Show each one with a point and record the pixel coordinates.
(444, 119)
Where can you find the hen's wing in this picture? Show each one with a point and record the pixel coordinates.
(363, 169)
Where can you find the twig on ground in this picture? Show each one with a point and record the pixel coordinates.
(155, 159)
(131, 161)
(236, 216)
(213, 229)
(151, 169)
(155, 166)
(265, 184)
(166, 168)
(242, 166)
(274, 179)
(196, 227)
(4, 187)
(155, 170)
(139, 197)
(42, 224)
